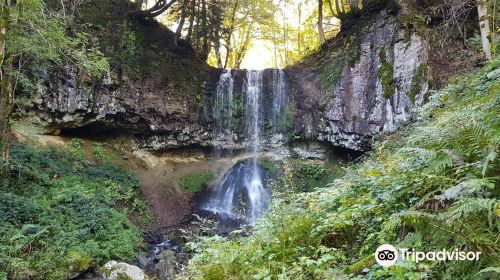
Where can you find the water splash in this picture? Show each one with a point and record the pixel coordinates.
(257, 193)
(242, 192)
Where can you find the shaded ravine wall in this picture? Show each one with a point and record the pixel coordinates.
(349, 113)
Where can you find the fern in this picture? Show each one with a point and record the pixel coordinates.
(472, 207)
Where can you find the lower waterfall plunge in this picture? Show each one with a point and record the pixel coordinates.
(242, 192)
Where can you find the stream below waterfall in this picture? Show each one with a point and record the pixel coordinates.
(241, 194)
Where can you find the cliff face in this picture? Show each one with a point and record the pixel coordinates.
(375, 94)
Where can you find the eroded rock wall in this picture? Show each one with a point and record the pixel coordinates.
(164, 114)
(354, 110)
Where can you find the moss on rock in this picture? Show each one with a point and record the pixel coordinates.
(386, 74)
(416, 82)
(195, 181)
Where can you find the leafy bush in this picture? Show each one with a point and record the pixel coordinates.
(102, 154)
(306, 176)
(431, 186)
(57, 214)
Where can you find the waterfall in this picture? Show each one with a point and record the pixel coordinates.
(257, 193)
(241, 193)
(223, 108)
(280, 101)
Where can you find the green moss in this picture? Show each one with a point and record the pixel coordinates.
(79, 261)
(195, 181)
(414, 20)
(386, 74)
(269, 165)
(358, 266)
(416, 82)
(347, 54)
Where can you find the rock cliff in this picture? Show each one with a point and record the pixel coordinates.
(374, 94)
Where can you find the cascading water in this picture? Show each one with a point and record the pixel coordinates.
(223, 108)
(242, 192)
(257, 193)
(280, 102)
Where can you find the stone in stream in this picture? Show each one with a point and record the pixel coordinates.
(165, 266)
(142, 261)
(114, 270)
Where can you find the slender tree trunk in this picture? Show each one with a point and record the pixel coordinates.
(178, 31)
(285, 45)
(218, 56)
(244, 48)
(320, 22)
(230, 33)
(191, 20)
(6, 85)
(298, 33)
(484, 26)
(195, 40)
(205, 47)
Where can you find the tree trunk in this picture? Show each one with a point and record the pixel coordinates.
(244, 48)
(205, 47)
(191, 20)
(6, 85)
(178, 31)
(298, 28)
(320, 22)
(484, 26)
(230, 33)
(218, 56)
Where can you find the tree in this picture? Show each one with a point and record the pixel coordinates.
(157, 9)
(33, 40)
(6, 82)
(320, 22)
(484, 26)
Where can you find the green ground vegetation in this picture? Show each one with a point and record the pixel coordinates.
(196, 181)
(431, 186)
(61, 214)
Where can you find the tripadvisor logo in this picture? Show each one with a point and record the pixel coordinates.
(386, 255)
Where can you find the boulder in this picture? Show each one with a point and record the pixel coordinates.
(114, 270)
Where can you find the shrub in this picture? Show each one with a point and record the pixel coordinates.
(57, 214)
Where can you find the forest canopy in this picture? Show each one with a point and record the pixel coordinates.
(224, 31)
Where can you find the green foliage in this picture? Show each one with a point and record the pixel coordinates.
(195, 181)
(38, 39)
(306, 176)
(386, 75)
(433, 185)
(103, 154)
(346, 55)
(57, 214)
(129, 48)
(75, 148)
(269, 165)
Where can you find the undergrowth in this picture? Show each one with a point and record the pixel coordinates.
(431, 186)
(60, 214)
